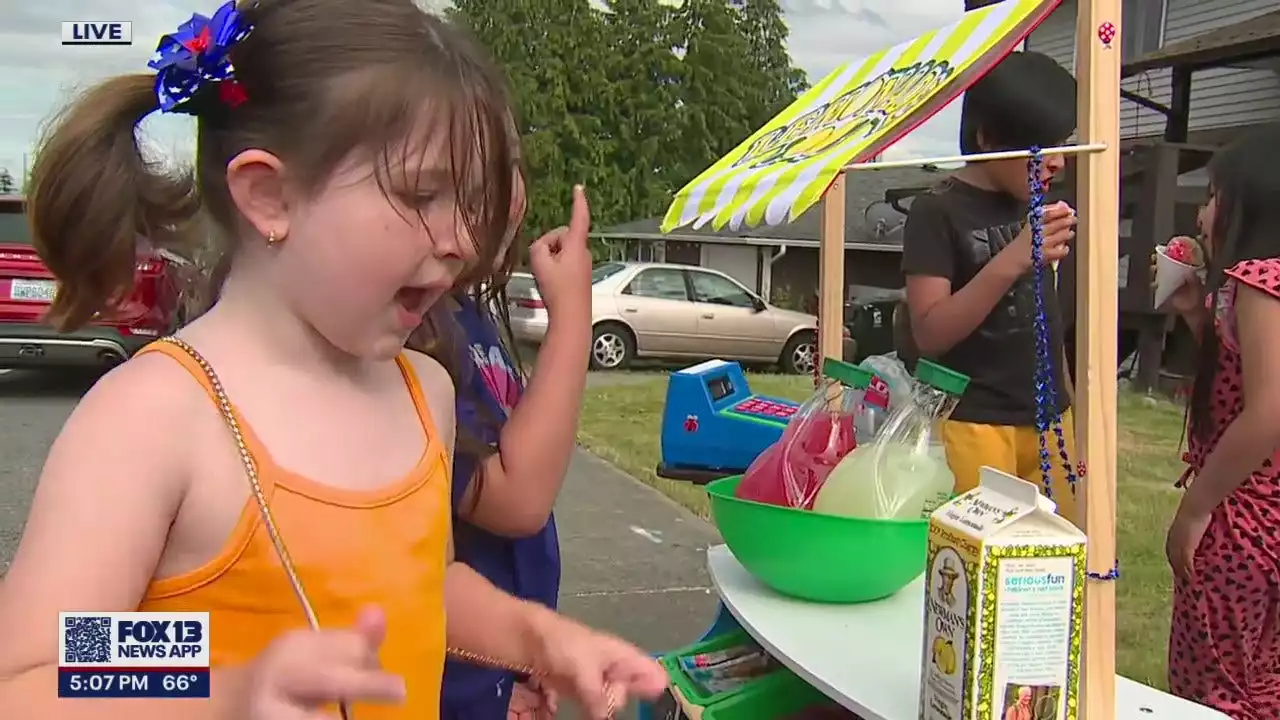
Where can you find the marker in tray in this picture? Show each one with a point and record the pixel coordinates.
(731, 670)
(716, 657)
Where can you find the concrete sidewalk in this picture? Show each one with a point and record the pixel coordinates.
(634, 562)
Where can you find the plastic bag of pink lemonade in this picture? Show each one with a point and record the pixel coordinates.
(792, 470)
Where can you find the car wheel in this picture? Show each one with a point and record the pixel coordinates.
(800, 354)
(612, 347)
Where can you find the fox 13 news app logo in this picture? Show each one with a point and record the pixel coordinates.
(133, 655)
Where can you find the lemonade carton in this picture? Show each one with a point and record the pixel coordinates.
(1004, 606)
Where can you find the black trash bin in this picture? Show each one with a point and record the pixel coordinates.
(870, 326)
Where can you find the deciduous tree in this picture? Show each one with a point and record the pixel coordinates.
(634, 99)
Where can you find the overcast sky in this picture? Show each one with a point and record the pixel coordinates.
(38, 74)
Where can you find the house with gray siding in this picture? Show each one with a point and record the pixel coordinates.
(1223, 99)
(1194, 73)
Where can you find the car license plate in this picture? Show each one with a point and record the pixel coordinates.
(38, 290)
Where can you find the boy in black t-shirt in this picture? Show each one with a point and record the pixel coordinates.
(967, 260)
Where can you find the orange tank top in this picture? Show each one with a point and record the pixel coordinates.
(351, 549)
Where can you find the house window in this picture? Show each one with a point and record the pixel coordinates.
(651, 251)
(637, 251)
(1142, 28)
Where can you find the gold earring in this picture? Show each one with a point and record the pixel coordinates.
(273, 239)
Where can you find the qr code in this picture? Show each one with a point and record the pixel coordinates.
(88, 639)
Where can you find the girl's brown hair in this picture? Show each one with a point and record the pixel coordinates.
(1246, 226)
(327, 81)
(440, 336)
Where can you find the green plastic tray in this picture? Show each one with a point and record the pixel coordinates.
(812, 556)
(783, 694)
(691, 690)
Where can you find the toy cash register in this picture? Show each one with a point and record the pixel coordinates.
(713, 426)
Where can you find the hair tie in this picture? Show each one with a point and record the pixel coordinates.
(196, 59)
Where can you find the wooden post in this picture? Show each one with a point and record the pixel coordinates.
(1176, 126)
(831, 273)
(1098, 195)
(1153, 224)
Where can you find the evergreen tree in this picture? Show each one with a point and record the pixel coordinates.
(643, 106)
(715, 116)
(778, 81)
(737, 75)
(554, 53)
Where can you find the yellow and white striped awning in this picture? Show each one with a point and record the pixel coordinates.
(852, 115)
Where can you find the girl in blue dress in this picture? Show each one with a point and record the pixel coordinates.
(515, 442)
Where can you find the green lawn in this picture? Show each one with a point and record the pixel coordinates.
(620, 423)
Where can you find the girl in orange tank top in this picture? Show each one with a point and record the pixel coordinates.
(404, 526)
(282, 464)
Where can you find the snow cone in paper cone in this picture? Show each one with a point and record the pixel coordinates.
(1175, 263)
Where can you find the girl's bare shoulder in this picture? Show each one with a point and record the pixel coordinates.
(430, 372)
(437, 388)
(148, 383)
(111, 487)
(147, 405)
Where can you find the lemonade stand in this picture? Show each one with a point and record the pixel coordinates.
(994, 580)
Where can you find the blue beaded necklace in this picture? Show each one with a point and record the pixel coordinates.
(1047, 417)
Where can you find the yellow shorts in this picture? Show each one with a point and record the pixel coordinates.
(1015, 450)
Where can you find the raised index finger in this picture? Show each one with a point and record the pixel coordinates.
(580, 220)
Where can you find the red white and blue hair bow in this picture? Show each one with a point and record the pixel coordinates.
(194, 62)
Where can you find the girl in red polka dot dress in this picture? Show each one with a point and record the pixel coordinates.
(1224, 543)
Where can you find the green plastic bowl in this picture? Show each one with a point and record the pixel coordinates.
(811, 556)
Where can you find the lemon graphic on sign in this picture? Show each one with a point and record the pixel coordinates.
(944, 655)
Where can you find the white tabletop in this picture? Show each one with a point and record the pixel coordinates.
(866, 656)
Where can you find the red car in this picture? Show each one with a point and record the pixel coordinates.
(27, 287)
